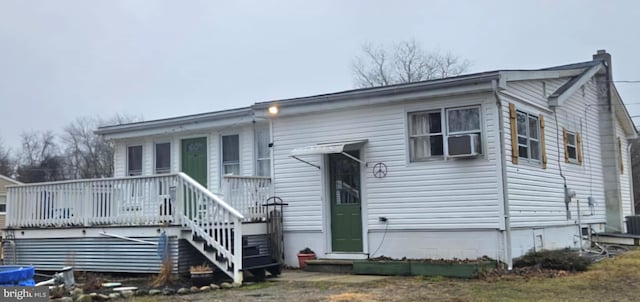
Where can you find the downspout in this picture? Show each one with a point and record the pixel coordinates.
(506, 234)
(273, 157)
(632, 195)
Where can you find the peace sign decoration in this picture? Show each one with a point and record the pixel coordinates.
(379, 170)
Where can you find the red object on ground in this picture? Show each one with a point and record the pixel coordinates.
(302, 259)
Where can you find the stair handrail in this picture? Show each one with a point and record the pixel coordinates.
(232, 251)
(208, 193)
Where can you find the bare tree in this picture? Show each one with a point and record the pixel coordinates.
(39, 159)
(89, 155)
(406, 62)
(6, 161)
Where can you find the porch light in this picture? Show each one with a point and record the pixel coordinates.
(273, 109)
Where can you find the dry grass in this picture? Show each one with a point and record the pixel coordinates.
(611, 280)
(351, 297)
(165, 276)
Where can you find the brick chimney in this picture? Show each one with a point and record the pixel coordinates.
(608, 145)
(603, 55)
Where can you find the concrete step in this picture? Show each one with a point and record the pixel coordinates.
(337, 266)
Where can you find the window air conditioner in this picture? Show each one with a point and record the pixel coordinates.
(466, 145)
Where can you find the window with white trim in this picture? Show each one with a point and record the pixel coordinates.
(134, 160)
(572, 146)
(528, 129)
(231, 154)
(428, 130)
(263, 155)
(162, 158)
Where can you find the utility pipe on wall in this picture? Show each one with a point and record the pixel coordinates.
(505, 192)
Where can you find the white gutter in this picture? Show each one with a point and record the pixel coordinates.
(505, 192)
(381, 95)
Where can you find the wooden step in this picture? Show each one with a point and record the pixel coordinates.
(617, 238)
(339, 266)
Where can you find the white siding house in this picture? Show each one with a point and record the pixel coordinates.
(546, 159)
(495, 163)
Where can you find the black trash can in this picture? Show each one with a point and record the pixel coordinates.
(633, 224)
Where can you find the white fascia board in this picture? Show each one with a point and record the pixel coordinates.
(302, 107)
(558, 100)
(9, 179)
(186, 127)
(525, 75)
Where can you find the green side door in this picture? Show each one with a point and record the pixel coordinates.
(194, 159)
(346, 213)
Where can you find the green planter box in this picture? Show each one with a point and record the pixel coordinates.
(460, 270)
(418, 268)
(394, 268)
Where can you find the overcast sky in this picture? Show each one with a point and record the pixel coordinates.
(60, 60)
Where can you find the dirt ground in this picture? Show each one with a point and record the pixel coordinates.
(611, 280)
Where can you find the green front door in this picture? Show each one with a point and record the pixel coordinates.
(194, 159)
(346, 215)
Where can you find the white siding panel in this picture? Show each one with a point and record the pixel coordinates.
(532, 91)
(536, 195)
(215, 162)
(437, 194)
(147, 157)
(176, 154)
(120, 159)
(625, 183)
(246, 151)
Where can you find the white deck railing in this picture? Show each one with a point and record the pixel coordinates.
(247, 194)
(169, 198)
(112, 201)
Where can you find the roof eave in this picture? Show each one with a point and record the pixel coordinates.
(9, 179)
(373, 96)
(559, 97)
(622, 114)
(110, 131)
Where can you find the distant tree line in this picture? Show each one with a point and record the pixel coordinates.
(74, 153)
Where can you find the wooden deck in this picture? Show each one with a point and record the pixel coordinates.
(119, 223)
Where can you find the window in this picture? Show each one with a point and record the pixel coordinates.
(163, 158)
(572, 147)
(3, 204)
(231, 154)
(428, 130)
(527, 136)
(263, 155)
(528, 128)
(425, 135)
(134, 160)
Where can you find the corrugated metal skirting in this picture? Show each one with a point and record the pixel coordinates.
(97, 254)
